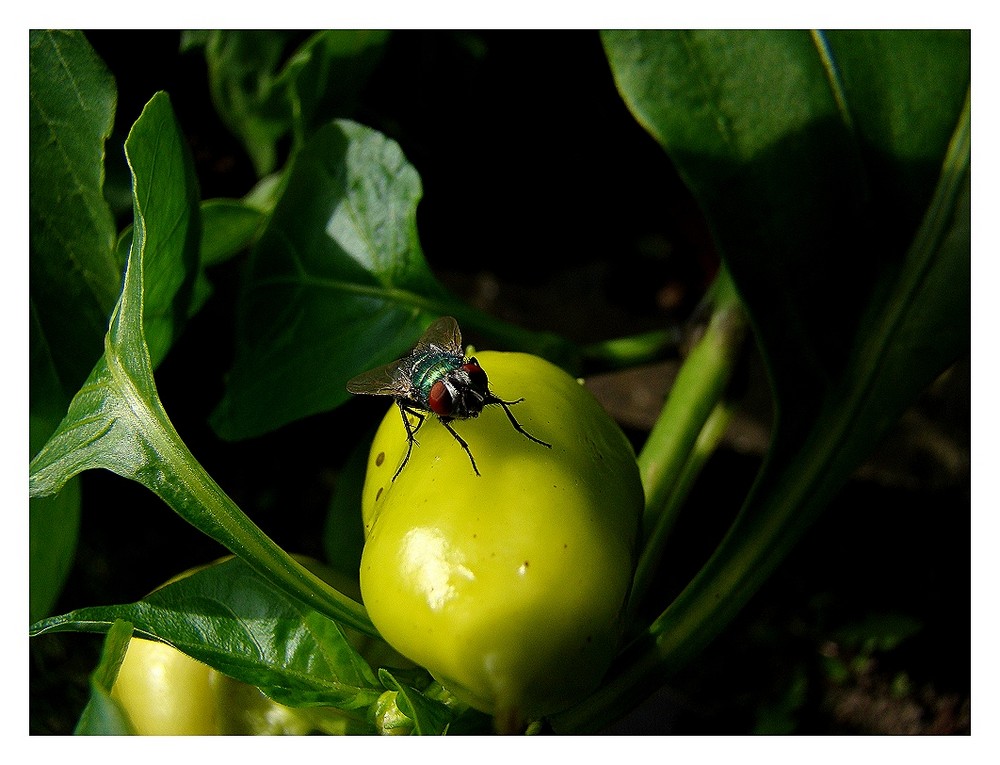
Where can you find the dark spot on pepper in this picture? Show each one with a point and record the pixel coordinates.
(380, 459)
(378, 493)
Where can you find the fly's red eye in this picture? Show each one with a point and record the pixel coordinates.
(477, 375)
(439, 399)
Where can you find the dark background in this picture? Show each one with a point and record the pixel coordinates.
(546, 204)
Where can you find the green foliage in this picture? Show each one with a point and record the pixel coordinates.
(103, 716)
(263, 95)
(116, 421)
(74, 278)
(337, 271)
(858, 290)
(833, 169)
(428, 716)
(337, 284)
(231, 619)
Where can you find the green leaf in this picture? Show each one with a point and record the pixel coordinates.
(117, 422)
(262, 97)
(73, 273)
(903, 90)
(337, 284)
(230, 618)
(53, 522)
(53, 527)
(241, 70)
(165, 203)
(103, 716)
(229, 226)
(325, 75)
(74, 278)
(878, 632)
(788, 144)
(835, 177)
(102, 426)
(430, 717)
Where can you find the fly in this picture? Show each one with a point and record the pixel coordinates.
(436, 378)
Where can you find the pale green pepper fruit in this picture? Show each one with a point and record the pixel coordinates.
(510, 586)
(165, 692)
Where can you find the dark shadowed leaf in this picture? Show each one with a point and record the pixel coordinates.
(834, 173)
(263, 92)
(74, 279)
(74, 276)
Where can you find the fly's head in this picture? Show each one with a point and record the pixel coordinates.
(461, 393)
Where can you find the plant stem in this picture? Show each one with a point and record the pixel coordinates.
(181, 481)
(635, 349)
(700, 385)
(708, 439)
(689, 428)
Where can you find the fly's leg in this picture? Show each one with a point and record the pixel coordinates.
(461, 441)
(410, 434)
(517, 426)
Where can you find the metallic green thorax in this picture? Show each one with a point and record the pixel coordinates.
(429, 367)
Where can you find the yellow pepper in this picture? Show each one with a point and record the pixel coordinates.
(509, 587)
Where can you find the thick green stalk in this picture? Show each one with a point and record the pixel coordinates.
(620, 352)
(700, 385)
(705, 445)
(181, 481)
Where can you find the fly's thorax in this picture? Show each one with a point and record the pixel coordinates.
(428, 367)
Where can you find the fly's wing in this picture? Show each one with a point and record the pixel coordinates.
(386, 380)
(392, 379)
(444, 334)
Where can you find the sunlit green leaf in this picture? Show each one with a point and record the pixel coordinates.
(117, 421)
(165, 196)
(104, 424)
(233, 620)
(338, 282)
